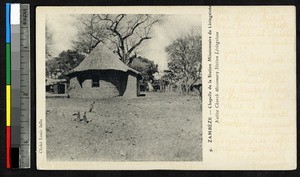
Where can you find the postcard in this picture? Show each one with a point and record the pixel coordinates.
(166, 87)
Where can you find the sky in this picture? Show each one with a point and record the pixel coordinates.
(64, 31)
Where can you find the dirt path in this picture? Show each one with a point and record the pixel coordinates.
(158, 127)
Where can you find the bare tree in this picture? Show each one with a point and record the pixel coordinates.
(91, 33)
(125, 33)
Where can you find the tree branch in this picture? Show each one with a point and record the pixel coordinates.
(137, 44)
(137, 23)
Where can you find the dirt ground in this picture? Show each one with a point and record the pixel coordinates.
(157, 127)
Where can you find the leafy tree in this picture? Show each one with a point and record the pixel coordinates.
(122, 32)
(49, 41)
(146, 67)
(65, 62)
(184, 59)
(168, 77)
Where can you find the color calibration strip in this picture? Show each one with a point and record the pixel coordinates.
(17, 86)
(8, 89)
(24, 88)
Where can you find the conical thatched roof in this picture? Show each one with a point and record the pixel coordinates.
(102, 58)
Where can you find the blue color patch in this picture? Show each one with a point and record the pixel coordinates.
(7, 22)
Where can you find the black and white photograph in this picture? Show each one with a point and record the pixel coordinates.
(123, 87)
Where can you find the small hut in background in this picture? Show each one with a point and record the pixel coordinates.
(102, 75)
(56, 86)
(197, 85)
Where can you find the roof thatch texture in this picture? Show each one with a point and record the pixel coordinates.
(102, 58)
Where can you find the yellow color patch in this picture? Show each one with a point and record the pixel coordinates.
(8, 105)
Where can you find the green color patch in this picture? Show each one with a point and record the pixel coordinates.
(8, 63)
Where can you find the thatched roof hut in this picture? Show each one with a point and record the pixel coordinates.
(102, 74)
(102, 58)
